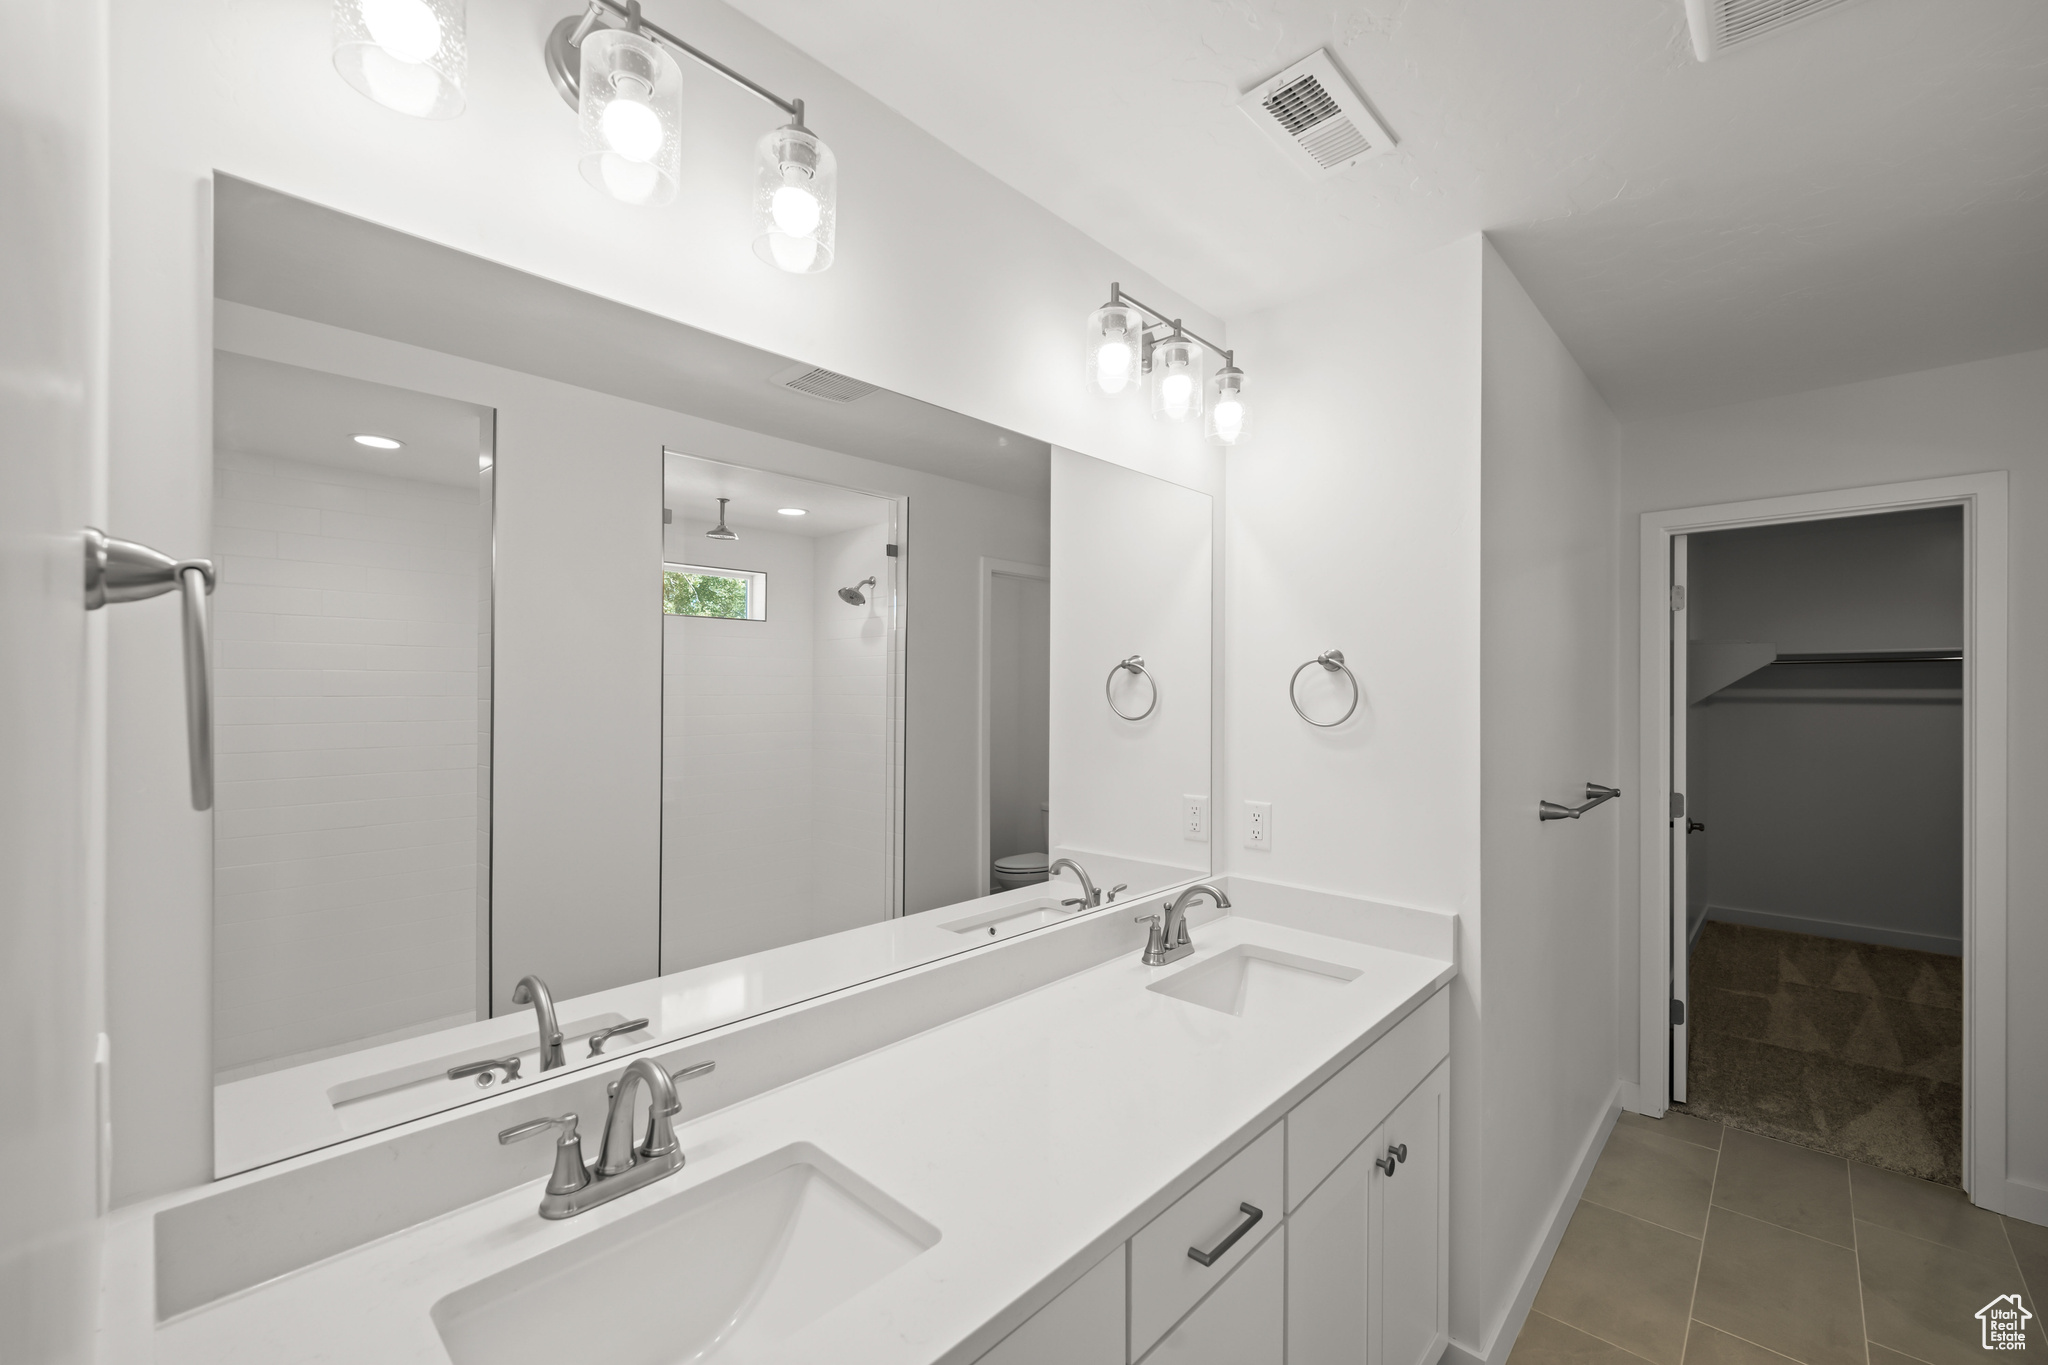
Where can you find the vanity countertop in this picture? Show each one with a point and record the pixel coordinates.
(1035, 1135)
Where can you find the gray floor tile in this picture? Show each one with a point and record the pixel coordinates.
(1712, 1346)
(1933, 1213)
(2030, 1245)
(1921, 1298)
(1885, 1355)
(1684, 1127)
(1546, 1341)
(1794, 1187)
(1656, 1178)
(1624, 1281)
(1780, 1289)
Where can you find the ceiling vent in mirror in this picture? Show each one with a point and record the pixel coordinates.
(818, 382)
(1718, 25)
(1317, 117)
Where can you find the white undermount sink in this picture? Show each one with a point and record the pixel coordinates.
(1005, 920)
(716, 1274)
(1246, 979)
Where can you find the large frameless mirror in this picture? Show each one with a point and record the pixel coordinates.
(588, 681)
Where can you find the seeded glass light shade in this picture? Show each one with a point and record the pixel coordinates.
(408, 55)
(1115, 349)
(1230, 417)
(796, 201)
(1177, 380)
(629, 115)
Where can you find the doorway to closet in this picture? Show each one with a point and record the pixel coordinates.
(1823, 886)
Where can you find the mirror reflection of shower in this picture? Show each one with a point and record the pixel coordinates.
(781, 712)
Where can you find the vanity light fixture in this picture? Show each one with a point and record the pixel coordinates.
(1129, 342)
(377, 442)
(408, 55)
(793, 511)
(621, 75)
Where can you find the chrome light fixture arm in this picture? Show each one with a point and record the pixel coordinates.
(568, 36)
(1118, 296)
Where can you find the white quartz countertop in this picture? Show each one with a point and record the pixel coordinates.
(1035, 1135)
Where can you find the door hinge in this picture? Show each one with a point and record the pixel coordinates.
(1678, 805)
(1678, 597)
(1678, 1012)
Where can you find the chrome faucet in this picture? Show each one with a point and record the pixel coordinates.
(1090, 897)
(533, 991)
(623, 1166)
(1169, 939)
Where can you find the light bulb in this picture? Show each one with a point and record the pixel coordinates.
(1229, 420)
(1174, 392)
(631, 129)
(407, 29)
(794, 254)
(796, 211)
(1113, 366)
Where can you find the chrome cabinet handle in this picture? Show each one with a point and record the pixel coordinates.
(125, 571)
(1399, 1153)
(604, 1035)
(1385, 1163)
(483, 1069)
(1251, 1214)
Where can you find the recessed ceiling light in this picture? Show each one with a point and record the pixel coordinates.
(378, 442)
(793, 511)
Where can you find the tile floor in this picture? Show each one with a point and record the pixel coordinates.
(1699, 1244)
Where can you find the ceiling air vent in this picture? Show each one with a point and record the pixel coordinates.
(821, 383)
(1718, 25)
(1316, 117)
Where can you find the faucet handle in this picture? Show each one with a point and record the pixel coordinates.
(570, 1174)
(1111, 894)
(605, 1035)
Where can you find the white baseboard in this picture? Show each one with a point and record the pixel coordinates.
(2020, 1199)
(1502, 1339)
(1827, 928)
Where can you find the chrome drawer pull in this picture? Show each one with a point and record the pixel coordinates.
(1385, 1163)
(1210, 1257)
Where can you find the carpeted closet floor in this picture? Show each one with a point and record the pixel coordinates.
(1849, 1048)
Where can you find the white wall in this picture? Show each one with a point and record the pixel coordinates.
(1131, 573)
(737, 760)
(851, 724)
(345, 679)
(1988, 415)
(250, 89)
(52, 465)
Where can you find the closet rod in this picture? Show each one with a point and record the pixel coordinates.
(1879, 656)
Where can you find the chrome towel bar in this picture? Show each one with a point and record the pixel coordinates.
(1134, 664)
(1332, 662)
(1595, 794)
(124, 571)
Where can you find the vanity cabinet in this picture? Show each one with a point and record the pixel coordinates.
(1347, 1263)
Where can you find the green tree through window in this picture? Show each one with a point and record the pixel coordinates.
(703, 594)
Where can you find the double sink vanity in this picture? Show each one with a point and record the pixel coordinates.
(1045, 1149)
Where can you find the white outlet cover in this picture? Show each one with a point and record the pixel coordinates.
(1258, 824)
(1195, 818)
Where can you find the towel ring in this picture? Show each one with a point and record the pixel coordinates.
(1134, 664)
(1332, 662)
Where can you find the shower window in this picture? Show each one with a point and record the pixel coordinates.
(695, 590)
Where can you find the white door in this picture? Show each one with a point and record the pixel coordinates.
(1242, 1323)
(1411, 1195)
(1329, 1315)
(1676, 892)
(53, 156)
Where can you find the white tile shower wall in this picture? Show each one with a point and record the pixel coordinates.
(850, 752)
(346, 824)
(736, 758)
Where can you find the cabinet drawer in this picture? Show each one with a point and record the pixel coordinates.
(1322, 1129)
(1083, 1326)
(1165, 1280)
(1243, 1323)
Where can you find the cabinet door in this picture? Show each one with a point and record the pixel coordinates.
(1328, 1291)
(1411, 1211)
(1083, 1326)
(1241, 1323)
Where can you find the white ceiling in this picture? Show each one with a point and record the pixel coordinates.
(1862, 195)
(276, 252)
(691, 488)
(263, 408)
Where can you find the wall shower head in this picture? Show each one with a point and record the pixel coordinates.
(719, 532)
(853, 597)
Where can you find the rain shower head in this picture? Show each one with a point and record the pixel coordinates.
(720, 531)
(853, 597)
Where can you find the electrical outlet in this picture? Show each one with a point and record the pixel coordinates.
(1258, 824)
(1194, 818)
